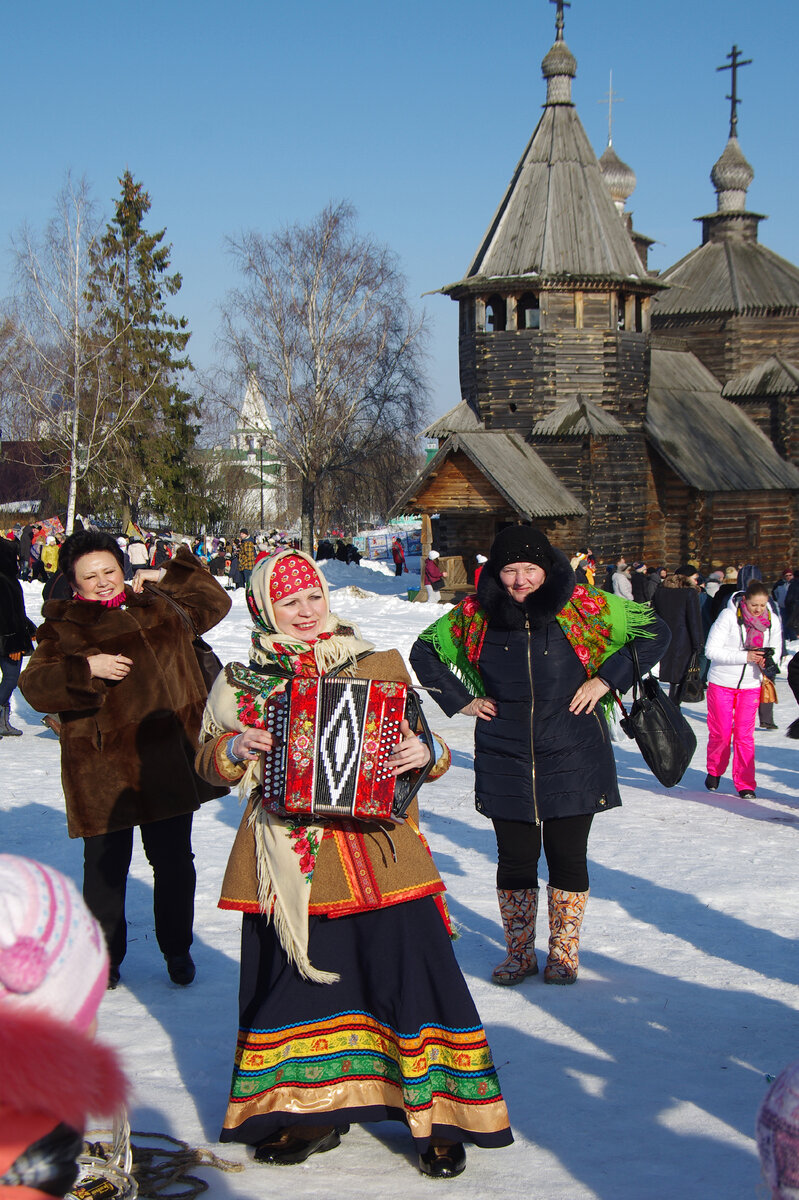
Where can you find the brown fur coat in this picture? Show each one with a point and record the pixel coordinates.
(127, 748)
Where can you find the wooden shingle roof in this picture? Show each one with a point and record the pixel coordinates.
(460, 419)
(772, 377)
(577, 417)
(709, 442)
(557, 219)
(729, 276)
(511, 466)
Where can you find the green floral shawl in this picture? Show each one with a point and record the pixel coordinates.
(596, 624)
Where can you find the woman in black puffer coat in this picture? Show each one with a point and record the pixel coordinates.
(543, 650)
(677, 603)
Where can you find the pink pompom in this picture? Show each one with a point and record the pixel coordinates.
(23, 966)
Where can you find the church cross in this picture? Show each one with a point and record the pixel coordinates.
(559, 19)
(609, 98)
(735, 62)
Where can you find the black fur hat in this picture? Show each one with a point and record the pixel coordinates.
(520, 543)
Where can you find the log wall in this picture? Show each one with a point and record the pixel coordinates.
(722, 528)
(460, 486)
(515, 376)
(734, 345)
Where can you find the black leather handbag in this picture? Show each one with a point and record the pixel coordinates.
(658, 728)
(692, 689)
(207, 660)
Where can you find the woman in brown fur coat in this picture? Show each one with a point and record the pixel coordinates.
(352, 1006)
(117, 664)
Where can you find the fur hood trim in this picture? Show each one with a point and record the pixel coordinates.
(540, 607)
(48, 1066)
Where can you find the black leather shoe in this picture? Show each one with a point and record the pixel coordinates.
(287, 1148)
(748, 794)
(113, 978)
(712, 782)
(181, 969)
(443, 1162)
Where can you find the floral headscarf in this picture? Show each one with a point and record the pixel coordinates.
(337, 643)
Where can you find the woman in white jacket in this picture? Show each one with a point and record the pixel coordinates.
(735, 648)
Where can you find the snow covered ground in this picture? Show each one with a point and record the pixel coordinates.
(640, 1083)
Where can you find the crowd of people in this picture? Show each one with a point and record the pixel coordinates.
(534, 657)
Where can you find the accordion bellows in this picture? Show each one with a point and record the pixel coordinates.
(334, 739)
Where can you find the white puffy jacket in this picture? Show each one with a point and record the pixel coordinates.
(725, 648)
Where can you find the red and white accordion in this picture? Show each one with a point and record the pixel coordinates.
(334, 737)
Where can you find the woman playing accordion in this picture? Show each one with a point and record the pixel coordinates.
(352, 1006)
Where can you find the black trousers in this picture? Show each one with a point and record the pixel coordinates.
(106, 861)
(565, 842)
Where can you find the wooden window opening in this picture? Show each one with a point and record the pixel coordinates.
(496, 314)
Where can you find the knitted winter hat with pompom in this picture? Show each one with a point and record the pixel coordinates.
(777, 1132)
(52, 951)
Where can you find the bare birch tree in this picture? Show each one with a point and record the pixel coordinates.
(58, 366)
(322, 321)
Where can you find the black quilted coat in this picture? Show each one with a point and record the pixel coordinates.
(535, 760)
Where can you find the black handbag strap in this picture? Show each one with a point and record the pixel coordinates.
(638, 679)
(184, 616)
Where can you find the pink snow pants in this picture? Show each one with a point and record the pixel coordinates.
(731, 713)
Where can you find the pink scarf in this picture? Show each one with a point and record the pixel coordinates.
(755, 626)
(114, 602)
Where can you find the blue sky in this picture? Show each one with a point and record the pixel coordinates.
(243, 115)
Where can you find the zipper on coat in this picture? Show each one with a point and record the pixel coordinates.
(601, 724)
(532, 712)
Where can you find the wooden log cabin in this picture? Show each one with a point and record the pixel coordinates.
(575, 416)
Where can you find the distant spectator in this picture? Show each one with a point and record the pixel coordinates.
(584, 566)
(218, 563)
(481, 561)
(16, 631)
(727, 588)
(746, 574)
(49, 555)
(398, 554)
(677, 602)
(613, 569)
(161, 554)
(713, 583)
(621, 582)
(246, 555)
(37, 570)
(644, 583)
(25, 540)
(137, 554)
(433, 577)
(779, 595)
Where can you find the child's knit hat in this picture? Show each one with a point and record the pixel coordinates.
(778, 1135)
(52, 951)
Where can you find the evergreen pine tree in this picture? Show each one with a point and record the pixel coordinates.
(131, 283)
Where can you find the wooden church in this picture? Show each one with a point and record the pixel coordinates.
(650, 415)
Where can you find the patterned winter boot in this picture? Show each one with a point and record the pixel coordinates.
(517, 909)
(566, 911)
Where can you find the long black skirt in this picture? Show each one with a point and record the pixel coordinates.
(398, 1038)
